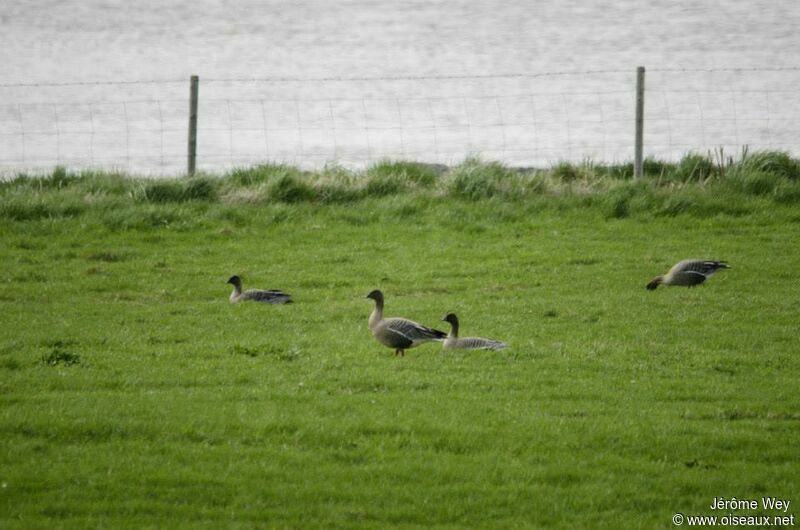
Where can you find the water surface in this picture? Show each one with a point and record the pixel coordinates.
(435, 80)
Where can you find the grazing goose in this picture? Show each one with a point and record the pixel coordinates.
(689, 272)
(270, 297)
(398, 333)
(467, 343)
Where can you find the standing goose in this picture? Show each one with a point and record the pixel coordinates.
(689, 272)
(398, 333)
(467, 343)
(271, 296)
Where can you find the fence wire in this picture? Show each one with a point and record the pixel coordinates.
(531, 120)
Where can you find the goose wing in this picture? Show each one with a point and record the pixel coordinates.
(710, 267)
(271, 296)
(698, 266)
(479, 343)
(693, 271)
(687, 278)
(412, 331)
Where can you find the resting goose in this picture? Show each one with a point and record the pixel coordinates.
(258, 295)
(398, 333)
(467, 343)
(689, 272)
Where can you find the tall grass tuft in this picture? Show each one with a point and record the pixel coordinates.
(26, 204)
(180, 190)
(568, 172)
(59, 355)
(755, 182)
(22, 209)
(615, 171)
(262, 173)
(693, 167)
(381, 184)
(291, 188)
(627, 199)
(475, 179)
(337, 185)
(655, 168)
(415, 174)
(765, 173)
(777, 163)
(391, 178)
(112, 183)
(787, 192)
(58, 179)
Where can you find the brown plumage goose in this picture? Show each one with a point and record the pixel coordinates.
(467, 343)
(398, 333)
(688, 273)
(271, 296)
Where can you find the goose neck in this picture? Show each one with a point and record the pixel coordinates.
(377, 314)
(237, 292)
(453, 329)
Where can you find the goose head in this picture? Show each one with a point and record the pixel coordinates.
(376, 295)
(451, 318)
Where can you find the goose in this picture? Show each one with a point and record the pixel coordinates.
(398, 333)
(689, 272)
(467, 343)
(258, 295)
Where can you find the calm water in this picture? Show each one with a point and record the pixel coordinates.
(420, 99)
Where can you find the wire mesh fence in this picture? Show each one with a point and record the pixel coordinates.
(528, 120)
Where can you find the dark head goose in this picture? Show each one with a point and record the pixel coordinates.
(467, 343)
(257, 295)
(688, 273)
(398, 333)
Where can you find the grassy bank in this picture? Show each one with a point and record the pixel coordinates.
(699, 185)
(134, 395)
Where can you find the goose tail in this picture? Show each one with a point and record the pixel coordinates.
(435, 334)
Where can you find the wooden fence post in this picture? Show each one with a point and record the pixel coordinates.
(192, 162)
(638, 160)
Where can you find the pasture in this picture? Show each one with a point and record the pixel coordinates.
(134, 395)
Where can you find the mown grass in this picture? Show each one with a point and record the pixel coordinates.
(134, 395)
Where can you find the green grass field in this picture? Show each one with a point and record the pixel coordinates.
(134, 395)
